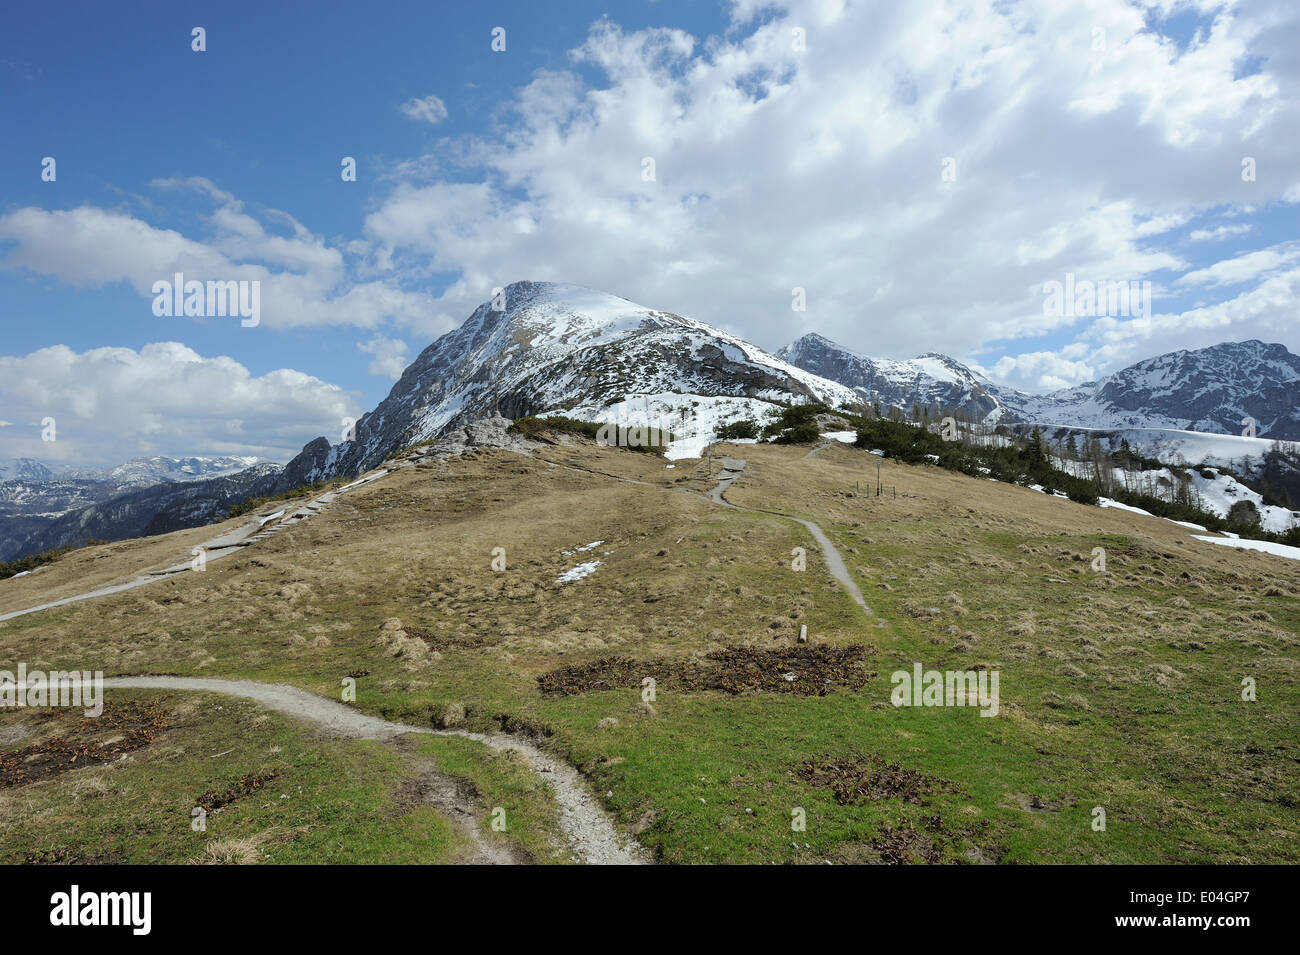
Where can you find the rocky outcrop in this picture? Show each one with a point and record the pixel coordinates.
(550, 347)
(310, 465)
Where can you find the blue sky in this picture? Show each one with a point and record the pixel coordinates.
(1114, 158)
(283, 91)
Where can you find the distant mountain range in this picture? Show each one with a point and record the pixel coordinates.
(1210, 389)
(46, 505)
(137, 471)
(929, 381)
(551, 347)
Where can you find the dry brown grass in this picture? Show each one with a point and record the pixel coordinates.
(393, 582)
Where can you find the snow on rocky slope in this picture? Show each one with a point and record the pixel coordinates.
(1198, 394)
(567, 349)
(930, 380)
(1218, 492)
(1213, 491)
(546, 347)
(1192, 448)
(1207, 390)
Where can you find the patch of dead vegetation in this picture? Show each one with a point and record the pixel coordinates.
(801, 670)
(413, 652)
(121, 728)
(251, 783)
(903, 845)
(871, 778)
(246, 850)
(447, 640)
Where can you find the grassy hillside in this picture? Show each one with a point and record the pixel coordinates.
(1119, 689)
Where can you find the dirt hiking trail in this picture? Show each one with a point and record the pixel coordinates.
(591, 834)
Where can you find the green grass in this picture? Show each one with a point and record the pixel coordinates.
(1185, 770)
(531, 814)
(332, 801)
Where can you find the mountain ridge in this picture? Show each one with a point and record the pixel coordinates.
(1209, 389)
(545, 347)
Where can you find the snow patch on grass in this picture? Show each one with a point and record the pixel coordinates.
(1107, 502)
(577, 550)
(577, 573)
(1267, 547)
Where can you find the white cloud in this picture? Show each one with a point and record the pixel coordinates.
(1219, 232)
(1268, 311)
(821, 169)
(390, 356)
(428, 109)
(111, 404)
(1041, 371)
(1246, 267)
(304, 281)
(1159, 224)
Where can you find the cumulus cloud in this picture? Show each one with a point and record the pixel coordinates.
(1041, 371)
(427, 109)
(111, 404)
(1266, 311)
(304, 281)
(824, 168)
(920, 170)
(390, 356)
(1244, 268)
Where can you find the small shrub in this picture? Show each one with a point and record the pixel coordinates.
(803, 433)
(746, 428)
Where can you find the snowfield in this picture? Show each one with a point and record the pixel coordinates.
(1266, 547)
(1221, 491)
(693, 420)
(1217, 492)
(1107, 502)
(1192, 447)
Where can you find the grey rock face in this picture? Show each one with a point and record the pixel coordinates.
(485, 434)
(554, 347)
(1209, 389)
(1213, 389)
(931, 381)
(306, 468)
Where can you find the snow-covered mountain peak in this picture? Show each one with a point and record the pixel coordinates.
(931, 380)
(547, 346)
